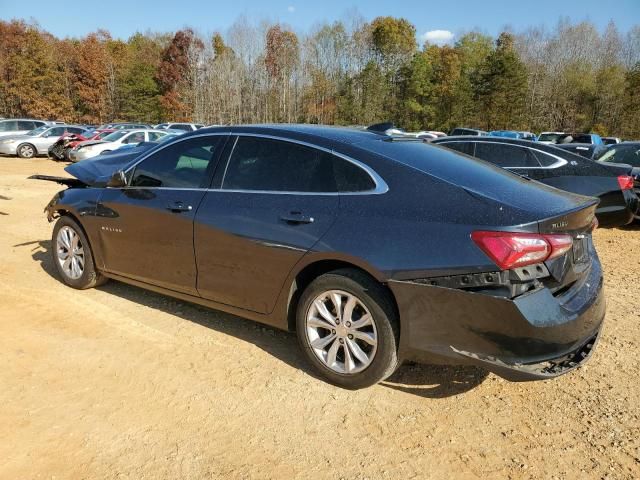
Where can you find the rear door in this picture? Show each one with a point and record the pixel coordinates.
(274, 200)
(146, 228)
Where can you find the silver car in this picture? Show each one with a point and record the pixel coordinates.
(113, 141)
(19, 126)
(37, 141)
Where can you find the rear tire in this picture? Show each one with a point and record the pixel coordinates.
(26, 150)
(72, 255)
(347, 327)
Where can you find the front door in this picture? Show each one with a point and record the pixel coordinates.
(146, 228)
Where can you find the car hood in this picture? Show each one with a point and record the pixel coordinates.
(88, 143)
(97, 171)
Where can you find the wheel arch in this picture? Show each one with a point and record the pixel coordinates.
(313, 269)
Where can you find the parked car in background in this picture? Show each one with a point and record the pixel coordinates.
(512, 134)
(113, 141)
(611, 140)
(124, 126)
(19, 126)
(185, 127)
(550, 137)
(558, 168)
(625, 153)
(141, 147)
(467, 131)
(586, 150)
(37, 141)
(61, 148)
(353, 239)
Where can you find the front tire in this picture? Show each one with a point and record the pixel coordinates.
(72, 255)
(26, 150)
(347, 327)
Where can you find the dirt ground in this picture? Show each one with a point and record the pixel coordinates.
(121, 383)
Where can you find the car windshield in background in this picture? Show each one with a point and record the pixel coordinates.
(112, 137)
(549, 137)
(38, 131)
(622, 154)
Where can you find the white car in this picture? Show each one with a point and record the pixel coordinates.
(113, 141)
(185, 127)
(37, 141)
(19, 126)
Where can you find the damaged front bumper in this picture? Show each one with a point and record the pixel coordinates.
(536, 335)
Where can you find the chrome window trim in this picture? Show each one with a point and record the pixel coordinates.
(381, 186)
(560, 162)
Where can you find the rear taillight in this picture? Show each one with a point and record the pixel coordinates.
(625, 182)
(512, 250)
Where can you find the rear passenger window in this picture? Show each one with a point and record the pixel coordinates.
(24, 125)
(262, 164)
(272, 165)
(505, 155)
(8, 126)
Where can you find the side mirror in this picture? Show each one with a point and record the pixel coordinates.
(117, 180)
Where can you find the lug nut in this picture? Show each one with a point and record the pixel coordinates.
(348, 324)
(337, 322)
(333, 331)
(342, 340)
(350, 337)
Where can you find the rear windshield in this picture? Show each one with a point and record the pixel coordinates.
(549, 137)
(473, 175)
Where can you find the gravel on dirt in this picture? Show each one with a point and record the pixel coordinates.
(117, 382)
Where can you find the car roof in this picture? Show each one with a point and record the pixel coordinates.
(23, 119)
(345, 135)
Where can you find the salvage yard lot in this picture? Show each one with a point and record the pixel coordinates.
(117, 382)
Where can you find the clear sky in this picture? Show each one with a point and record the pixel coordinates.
(123, 18)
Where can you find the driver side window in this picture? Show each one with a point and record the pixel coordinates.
(180, 165)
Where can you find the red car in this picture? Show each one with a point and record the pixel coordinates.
(60, 149)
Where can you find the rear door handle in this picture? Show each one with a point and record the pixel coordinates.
(177, 207)
(296, 218)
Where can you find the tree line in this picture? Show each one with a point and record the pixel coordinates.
(349, 72)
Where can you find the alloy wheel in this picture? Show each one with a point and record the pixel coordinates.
(26, 151)
(341, 332)
(70, 252)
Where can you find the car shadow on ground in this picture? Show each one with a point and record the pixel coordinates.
(428, 381)
(2, 197)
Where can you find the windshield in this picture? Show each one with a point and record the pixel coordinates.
(38, 131)
(112, 137)
(549, 137)
(622, 154)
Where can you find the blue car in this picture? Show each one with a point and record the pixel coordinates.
(513, 134)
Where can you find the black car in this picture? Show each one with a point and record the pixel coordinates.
(627, 153)
(586, 150)
(373, 249)
(558, 168)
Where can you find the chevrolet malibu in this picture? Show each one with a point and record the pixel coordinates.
(373, 249)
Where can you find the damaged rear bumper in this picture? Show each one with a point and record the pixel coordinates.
(534, 336)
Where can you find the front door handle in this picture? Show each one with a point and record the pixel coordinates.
(177, 207)
(296, 218)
